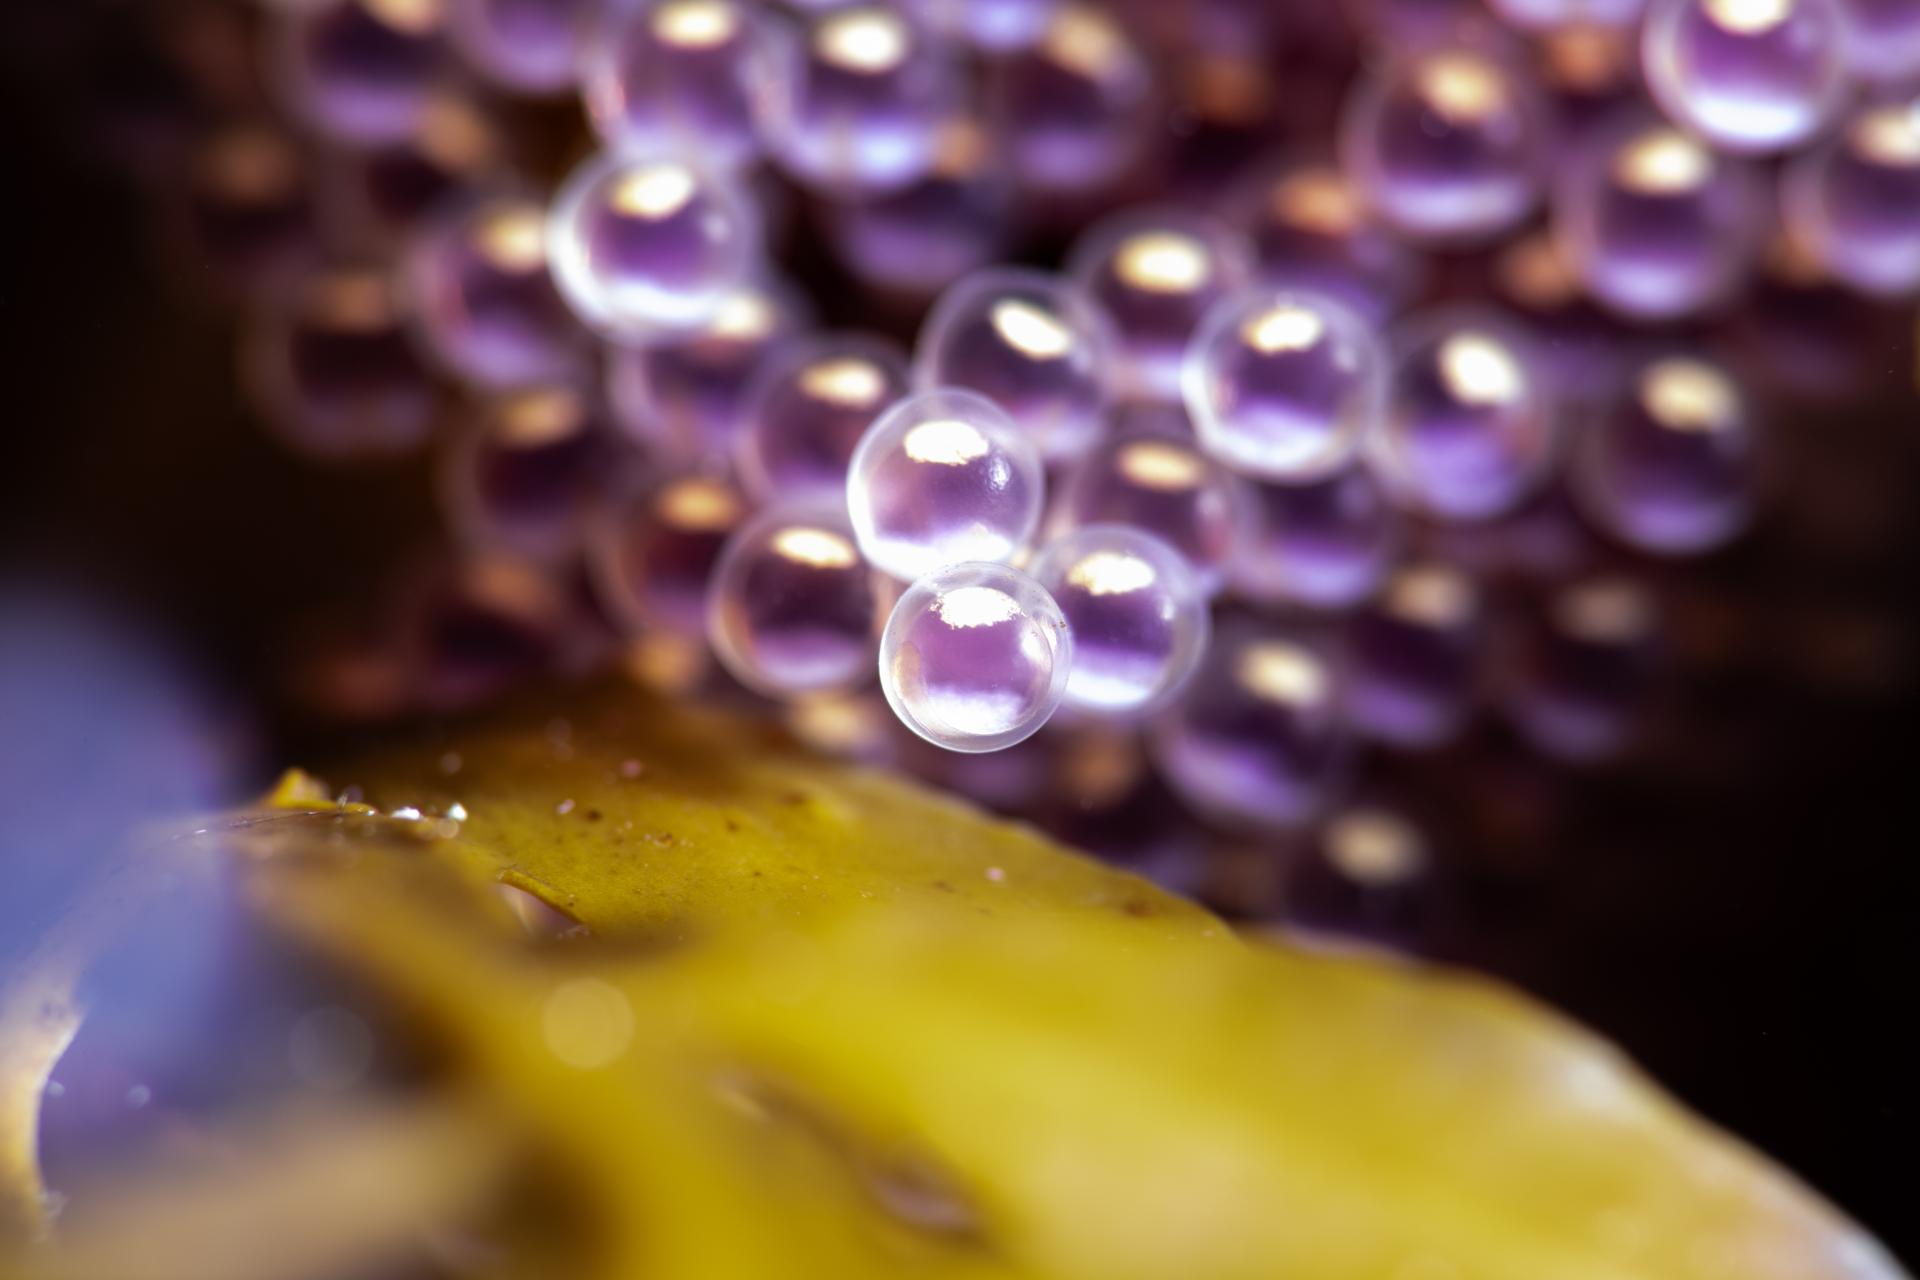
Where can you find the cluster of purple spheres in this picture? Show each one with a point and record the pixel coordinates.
(1062, 360)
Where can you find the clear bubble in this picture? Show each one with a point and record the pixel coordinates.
(1581, 673)
(524, 46)
(683, 396)
(1159, 481)
(481, 299)
(1449, 145)
(1138, 618)
(1414, 657)
(1283, 385)
(1669, 465)
(943, 477)
(1469, 429)
(1311, 229)
(360, 71)
(854, 99)
(975, 657)
(1655, 224)
(1259, 739)
(1747, 75)
(1072, 112)
(1882, 41)
(1031, 343)
(922, 237)
(676, 75)
(644, 243)
(808, 408)
(336, 373)
(1156, 272)
(791, 607)
(1854, 200)
(524, 473)
(1322, 543)
(653, 554)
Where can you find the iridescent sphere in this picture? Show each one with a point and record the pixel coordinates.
(644, 243)
(975, 657)
(1669, 466)
(1414, 656)
(791, 607)
(1747, 75)
(1882, 41)
(1470, 429)
(1283, 386)
(675, 75)
(524, 46)
(854, 99)
(808, 408)
(1156, 272)
(1449, 145)
(1138, 618)
(1259, 739)
(360, 71)
(1579, 678)
(1322, 543)
(1031, 343)
(1311, 229)
(481, 299)
(940, 478)
(1854, 200)
(1072, 112)
(683, 396)
(1557, 15)
(653, 555)
(922, 237)
(1159, 481)
(1655, 224)
(524, 474)
(335, 371)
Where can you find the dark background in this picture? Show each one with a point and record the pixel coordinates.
(1740, 907)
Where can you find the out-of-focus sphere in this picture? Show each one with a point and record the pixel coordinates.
(1669, 466)
(975, 657)
(683, 396)
(995, 26)
(653, 556)
(252, 207)
(1470, 427)
(807, 410)
(1155, 272)
(1029, 342)
(1322, 543)
(1577, 682)
(1160, 482)
(1882, 41)
(1557, 15)
(482, 300)
(1139, 620)
(1449, 146)
(381, 195)
(854, 99)
(1311, 229)
(791, 607)
(676, 75)
(1283, 385)
(940, 478)
(1747, 75)
(1656, 225)
(1414, 656)
(922, 237)
(644, 243)
(1259, 739)
(1854, 201)
(524, 476)
(1072, 112)
(360, 71)
(524, 46)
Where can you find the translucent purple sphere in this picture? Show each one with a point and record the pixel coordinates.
(922, 237)
(942, 477)
(808, 407)
(360, 71)
(791, 607)
(526, 472)
(1854, 200)
(1072, 112)
(1139, 621)
(1580, 676)
(677, 75)
(1311, 229)
(653, 554)
(975, 657)
(1031, 343)
(1160, 481)
(1747, 75)
(1322, 543)
(379, 196)
(1414, 657)
(525, 46)
(1882, 41)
